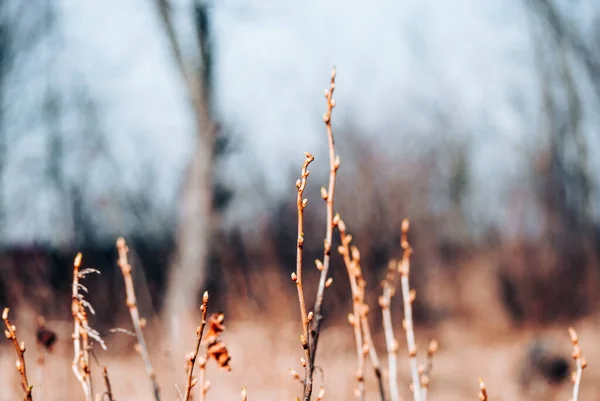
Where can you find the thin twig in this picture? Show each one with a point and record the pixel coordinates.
(368, 344)
(580, 363)
(191, 381)
(297, 276)
(389, 289)
(85, 348)
(425, 371)
(354, 275)
(108, 393)
(11, 335)
(179, 395)
(408, 297)
(359, 320)
(328, 196)
(108, 388)
(135, 315)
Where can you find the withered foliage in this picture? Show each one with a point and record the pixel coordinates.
(215, 348)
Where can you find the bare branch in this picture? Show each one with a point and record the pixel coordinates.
(192, 359)
(135, 314)
(11, 335)
(297, 275)
(389, 289)
(408, 298)
(580, 363)
(328, 196)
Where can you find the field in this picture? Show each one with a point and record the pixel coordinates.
(263, 352)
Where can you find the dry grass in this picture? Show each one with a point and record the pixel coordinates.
(263, 350)
(262, 353)
(83, 334)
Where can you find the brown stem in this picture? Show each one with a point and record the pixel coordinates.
(20, 350)
(328, 196)
(297, 276)
(408, 298)
(85, 351)
(135, 315)
(359, 320)
(368, 344)
(425, 372)
(385, 300)
(354, 275)
(108, 393)
(580, 363)
(192, 359)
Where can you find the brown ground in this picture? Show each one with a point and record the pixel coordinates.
(262, 357)
(476, 341)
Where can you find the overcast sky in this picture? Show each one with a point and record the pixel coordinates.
(398, 62)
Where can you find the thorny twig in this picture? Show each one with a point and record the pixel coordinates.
(135, 315)
(11, 335)
(328, 196)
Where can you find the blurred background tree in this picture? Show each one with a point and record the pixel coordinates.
(183, 125)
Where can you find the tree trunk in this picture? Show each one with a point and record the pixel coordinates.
(188, 272)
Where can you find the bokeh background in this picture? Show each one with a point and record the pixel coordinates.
(181, 125)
